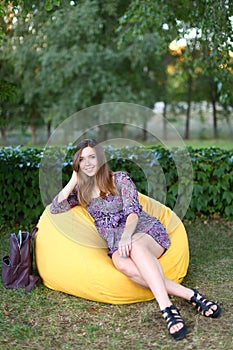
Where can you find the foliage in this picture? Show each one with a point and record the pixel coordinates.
(26, 5)
(65, 56)
(205, 28)
(213, 182)
(8, 90)
(61, 68)
(160, 173)
(20, 198)
(206, 25)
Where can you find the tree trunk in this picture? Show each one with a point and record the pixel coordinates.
(215, 124)
(227, 117)
(189, 101)
(165, 120)
(49, 124)
(214, 102)
(33, 127)
(102, 133)
(144, 131)
(3, 135)
(124, 131)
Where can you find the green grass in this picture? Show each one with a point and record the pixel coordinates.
(46, 319)
(198, 143)
(224, 144)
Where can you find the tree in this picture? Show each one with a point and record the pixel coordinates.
(5, 88)
(24, 45)
(64, 68)
(8, 88)
(9, 11)
(209, 21)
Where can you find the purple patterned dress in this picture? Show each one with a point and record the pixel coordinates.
(110, 213)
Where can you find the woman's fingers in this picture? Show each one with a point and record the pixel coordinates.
(124, 249)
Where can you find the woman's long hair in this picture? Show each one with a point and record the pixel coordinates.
(103, 178)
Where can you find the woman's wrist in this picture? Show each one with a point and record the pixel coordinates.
(66, 191)
(127, 233)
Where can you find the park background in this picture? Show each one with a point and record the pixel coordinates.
(174, 57)
(58, 60)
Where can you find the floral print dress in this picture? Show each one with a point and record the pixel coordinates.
(110, 213)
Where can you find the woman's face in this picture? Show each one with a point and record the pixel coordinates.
(88, 161)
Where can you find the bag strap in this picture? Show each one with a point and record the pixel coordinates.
(34, 231)
(32, 282)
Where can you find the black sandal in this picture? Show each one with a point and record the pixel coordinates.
(203, 305)
(172, 318)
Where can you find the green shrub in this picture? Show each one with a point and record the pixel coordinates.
(20, 199)
(213, 182)
(163, 174)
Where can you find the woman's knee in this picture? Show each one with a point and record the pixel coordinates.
(123, 265)
(143, 244)
(139, 242)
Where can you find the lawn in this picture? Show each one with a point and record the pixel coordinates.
(221, 143)
(198, 143)
(46, 319)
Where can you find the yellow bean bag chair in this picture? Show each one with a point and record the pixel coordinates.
(72, 258)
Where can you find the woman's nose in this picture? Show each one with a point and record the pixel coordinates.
(87, 162)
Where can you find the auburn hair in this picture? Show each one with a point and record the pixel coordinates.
(103, 178)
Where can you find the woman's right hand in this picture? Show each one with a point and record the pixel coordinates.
(125, 245)
(74, 178)
(65, 192)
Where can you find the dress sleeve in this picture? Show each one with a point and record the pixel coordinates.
(66, 204)
(128, 191)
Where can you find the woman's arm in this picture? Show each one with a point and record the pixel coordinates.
(66, 198)
(131, 209)
(66, 191)
(125, 243)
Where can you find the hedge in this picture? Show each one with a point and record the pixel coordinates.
(192, 181)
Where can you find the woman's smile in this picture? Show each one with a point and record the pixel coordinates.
(90, 170)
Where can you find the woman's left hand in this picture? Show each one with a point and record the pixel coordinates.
(125, 246)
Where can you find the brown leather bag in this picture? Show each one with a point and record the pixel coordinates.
(17, 266)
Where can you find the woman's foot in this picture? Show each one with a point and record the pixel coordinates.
(175, 323)
(204, 306)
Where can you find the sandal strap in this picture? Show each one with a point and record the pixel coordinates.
(203, 305)
(172, 318)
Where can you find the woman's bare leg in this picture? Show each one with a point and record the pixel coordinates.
(146, 266)
(129, 267)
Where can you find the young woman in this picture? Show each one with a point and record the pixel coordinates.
(135, 239)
